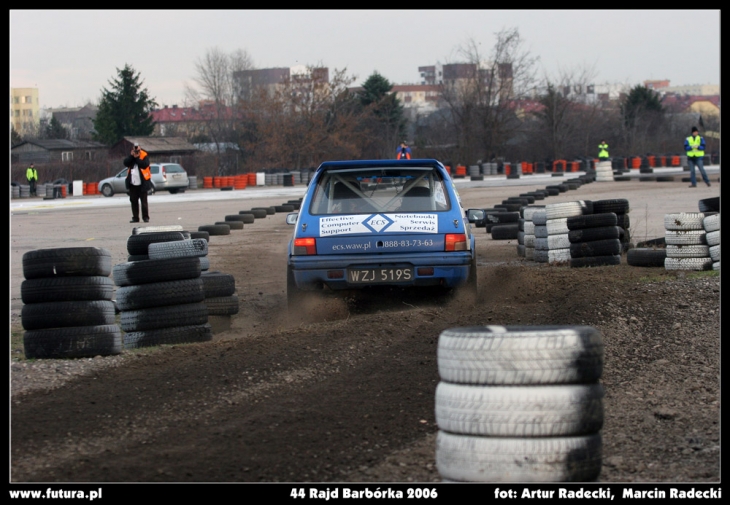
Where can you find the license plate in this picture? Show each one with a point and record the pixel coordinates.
(379, 275)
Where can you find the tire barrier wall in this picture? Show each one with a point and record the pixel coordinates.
(687, 244)
(68, 310)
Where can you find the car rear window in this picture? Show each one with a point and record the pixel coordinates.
(378, 190)
(174, 169)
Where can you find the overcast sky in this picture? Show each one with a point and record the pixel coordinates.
(70, 55)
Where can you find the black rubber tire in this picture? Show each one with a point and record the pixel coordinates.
(227, 188)
(67, 262)
(502, 217)
(646, 257)
(215, 229)
(653, 243)
(200, 234)
(665, 178)
(193, 247)
(284, 208)
(592, 221)
(222, 305)
(38, 316)
(233, 225)
(150, 271)
(258, 213)
(709, 204)
(269, 210)
(160, 294)
(609, 247)
(505, 231)
(552, 191)
(247, 216)
(168, 336)
(138, 257)
(73, 342)
(234, 217)
(530, 198)
(190, 314)
(137, 244)
(590, 234)
(216, 284)
(615, 205)
(66, 289)
(595, 261)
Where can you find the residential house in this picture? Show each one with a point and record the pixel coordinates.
(160, 149)
(24, 110)
(55, 150)
(78, 121)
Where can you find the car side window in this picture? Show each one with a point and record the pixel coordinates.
(155, 169)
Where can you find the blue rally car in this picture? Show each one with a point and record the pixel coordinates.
(380, 222)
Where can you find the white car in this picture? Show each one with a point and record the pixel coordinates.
(170, 177)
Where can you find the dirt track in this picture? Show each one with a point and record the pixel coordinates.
(346, 394)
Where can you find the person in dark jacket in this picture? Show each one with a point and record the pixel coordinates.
(403, 152)
(138, 181)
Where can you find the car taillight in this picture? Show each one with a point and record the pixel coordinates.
(164, 174)
(305, 246)
(455, 242)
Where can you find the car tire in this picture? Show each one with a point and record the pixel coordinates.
(154, 318)
(160, 294)
(519, 411)
(107, 190)
(66, 289)
(173, 191)
(139, 244)
(168, 336)
(520, 355)
(150, 271)
(67, 261)
(468, 458)
(222, 305)
(216, 229)
(38, 316)
(73, 342)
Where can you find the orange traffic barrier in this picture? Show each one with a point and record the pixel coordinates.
(252, 179)
(461, 170)
(507, 169)
(675, 161)
(64, 190)
(635, 162)
(652, 161)
(207, 182)
(448, 169)
(240, 181)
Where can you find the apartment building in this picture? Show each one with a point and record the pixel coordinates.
(24, 110)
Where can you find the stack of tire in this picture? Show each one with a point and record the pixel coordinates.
(220, 294)
(559, 250)
(686, 240)
(216, 229)
(160, 293)
(68, 310)
(519, 404)
(539, 220)
(505, 222)
(528, 228)
(594, 239)
(620, 207)
(712, 228)
(604, 171)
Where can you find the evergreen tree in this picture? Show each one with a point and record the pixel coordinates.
(387, 109)
(55, 130)
(124, 109)
(639, 102)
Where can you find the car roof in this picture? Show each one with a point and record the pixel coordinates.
(345, 164)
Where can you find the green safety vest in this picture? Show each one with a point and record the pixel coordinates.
(695, 141)
(31, 174)
(603, 150)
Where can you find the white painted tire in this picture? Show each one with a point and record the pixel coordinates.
(557, 226)
(529, 227)
(559, 242)
(529, 253)
(715, 252)
(688, 263)
(684, 221)
(529, 240)
(688, 237)
(713, 238)
(520, 411)
(688, 251)
(520, 355)
(559, 255)
(711, 223)
(468, 458)
(541, 244)
(539, 217)
(541, 231)
(529, 211)
(563, 209)
(540, 255)
(195, 247)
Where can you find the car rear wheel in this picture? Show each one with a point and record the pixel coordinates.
(107, 190)
(172, 191)
(294, 295)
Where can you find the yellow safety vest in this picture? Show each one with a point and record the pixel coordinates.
(603, 150)
(695, 141)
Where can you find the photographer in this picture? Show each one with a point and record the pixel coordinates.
(138, 181)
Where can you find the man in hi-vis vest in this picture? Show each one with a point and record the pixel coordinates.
(603, 151)
(695, 147)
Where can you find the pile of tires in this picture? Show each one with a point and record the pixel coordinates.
(594, 240)
(649, 253)
(604, 171)
(502, 224)
(712, 228)
(539, 220)
(161, 302)
(620, 207)
(527, 227)
(557, 214)
(519, 404)
(138, 243)
(220, 294)
(686, 240)
(68, 310)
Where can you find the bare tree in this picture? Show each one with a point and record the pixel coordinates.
(482, 118)
(216, 93)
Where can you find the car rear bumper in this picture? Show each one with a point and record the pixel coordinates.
(449, 269)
